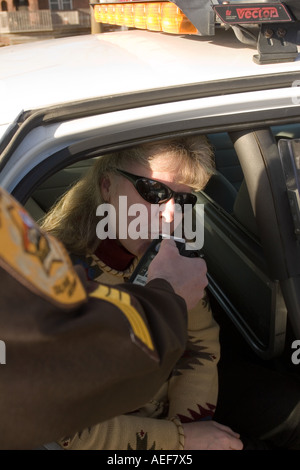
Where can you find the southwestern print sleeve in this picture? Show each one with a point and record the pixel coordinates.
(128, 432)
(193, 386)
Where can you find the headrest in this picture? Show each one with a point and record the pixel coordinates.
(243, 211)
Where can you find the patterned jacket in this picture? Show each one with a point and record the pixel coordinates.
(190, 394)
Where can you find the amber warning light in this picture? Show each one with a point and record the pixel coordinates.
(156, 16)
(252, 13)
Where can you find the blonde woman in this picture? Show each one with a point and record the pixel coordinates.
(163, 173)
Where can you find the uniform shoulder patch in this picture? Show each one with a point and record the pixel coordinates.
(139, 331)
(37, 260)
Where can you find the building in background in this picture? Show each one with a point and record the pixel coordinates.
(32, 5)
(31, 20)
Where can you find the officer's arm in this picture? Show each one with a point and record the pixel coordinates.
(69, 369)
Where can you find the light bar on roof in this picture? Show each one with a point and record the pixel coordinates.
(272, 26)
(155, 16)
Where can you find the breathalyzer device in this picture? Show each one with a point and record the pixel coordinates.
(139, 275)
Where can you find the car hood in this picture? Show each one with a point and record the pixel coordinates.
(58, 71)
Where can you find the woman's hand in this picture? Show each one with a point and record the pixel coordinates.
(210, 435)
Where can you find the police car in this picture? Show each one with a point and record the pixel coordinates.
(228, 70)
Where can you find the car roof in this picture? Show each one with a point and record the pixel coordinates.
(65, 70)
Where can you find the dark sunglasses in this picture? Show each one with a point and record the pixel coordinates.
(156, 192)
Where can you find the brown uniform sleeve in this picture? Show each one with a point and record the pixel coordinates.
(66, 371)
(71, 359)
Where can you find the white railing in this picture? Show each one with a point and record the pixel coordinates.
(74, 17)
(42, 20)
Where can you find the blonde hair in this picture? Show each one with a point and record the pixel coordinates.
(73, 218)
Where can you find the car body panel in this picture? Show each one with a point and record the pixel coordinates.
(41, 141)
(84, 67)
